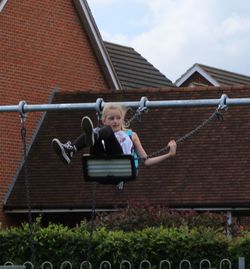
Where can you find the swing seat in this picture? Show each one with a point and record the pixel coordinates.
(108, 169)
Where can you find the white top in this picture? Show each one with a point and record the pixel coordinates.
(125, 142)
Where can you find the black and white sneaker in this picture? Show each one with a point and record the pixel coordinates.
(64, 151)
(87, 128)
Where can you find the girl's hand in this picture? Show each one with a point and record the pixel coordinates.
(172, 147)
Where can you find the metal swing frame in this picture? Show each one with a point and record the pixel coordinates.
(113, 169)
(224, 100)
(111, 176)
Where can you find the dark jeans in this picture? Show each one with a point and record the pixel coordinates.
(105, 142)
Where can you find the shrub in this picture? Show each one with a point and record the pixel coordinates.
(140, 216)
(136, 233)
(57, 243)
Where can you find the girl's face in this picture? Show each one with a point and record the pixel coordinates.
(114, 118)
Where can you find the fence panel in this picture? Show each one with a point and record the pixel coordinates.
(126, 264)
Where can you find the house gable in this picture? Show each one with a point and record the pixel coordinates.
(213, 76)
(189, 76)
(43, 48)
(47, 46)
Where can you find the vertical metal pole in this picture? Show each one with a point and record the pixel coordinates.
(229, 223)
(241, 263)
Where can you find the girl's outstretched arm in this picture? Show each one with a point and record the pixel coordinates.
(151, 161)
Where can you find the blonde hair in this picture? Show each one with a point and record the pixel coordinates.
(109, 106)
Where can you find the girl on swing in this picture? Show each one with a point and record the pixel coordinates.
(112, 138)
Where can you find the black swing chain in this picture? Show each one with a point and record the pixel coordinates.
(92, 223)
(215, 114)
(27, 185)
(99, 102)
(143, 109)
(137, 115)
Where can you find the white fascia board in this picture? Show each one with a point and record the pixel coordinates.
(2, 4)
(191, 71)
(97, 39)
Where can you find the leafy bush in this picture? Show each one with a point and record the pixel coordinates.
(140, 216)
(57, 243)
(54, 243)
(240, 247)
(136, 233)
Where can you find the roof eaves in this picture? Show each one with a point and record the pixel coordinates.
(97, 42)
(191, 71)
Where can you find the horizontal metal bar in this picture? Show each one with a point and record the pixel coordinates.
(149, 104)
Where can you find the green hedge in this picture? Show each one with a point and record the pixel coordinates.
(57, 243)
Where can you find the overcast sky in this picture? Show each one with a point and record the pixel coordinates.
(175, 34)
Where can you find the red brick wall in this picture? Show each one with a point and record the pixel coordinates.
(43, 45)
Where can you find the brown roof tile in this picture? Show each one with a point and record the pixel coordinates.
(133, 70)
(226, 77)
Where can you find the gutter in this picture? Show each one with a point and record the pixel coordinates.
(62, 210)
(88, 210)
